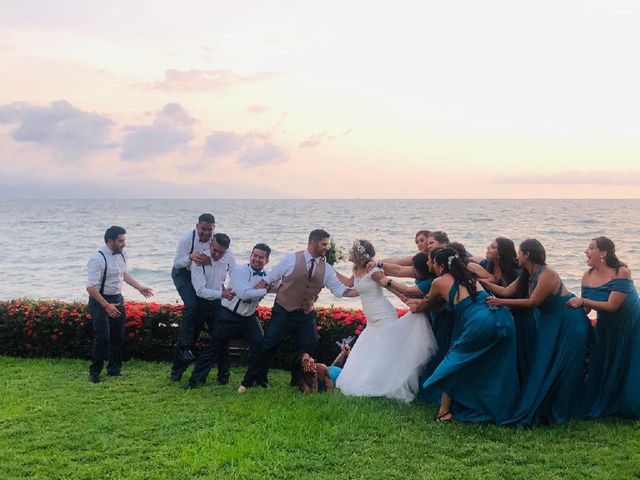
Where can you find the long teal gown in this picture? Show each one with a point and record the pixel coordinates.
(553, 390)
(479, 369)
(526, 322)
(613, 379)
(442, 326)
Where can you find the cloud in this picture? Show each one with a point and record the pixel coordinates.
(70, 133)
(257, 109)
(320, 138)
(262, 155)
(249, 149)
(604, 177)
(220, 144)
(207, 80)
(172, 128)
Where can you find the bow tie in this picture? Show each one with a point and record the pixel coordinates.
(260, 273)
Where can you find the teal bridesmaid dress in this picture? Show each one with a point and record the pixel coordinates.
(442, 326)
(613, 379)
(526, 321)
(479, 369)
(553, 389)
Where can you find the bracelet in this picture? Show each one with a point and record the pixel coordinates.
(389, 283)
(379, 264)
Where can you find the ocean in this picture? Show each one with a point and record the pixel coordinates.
(45, 244)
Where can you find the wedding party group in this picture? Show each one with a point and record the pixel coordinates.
(497, 339)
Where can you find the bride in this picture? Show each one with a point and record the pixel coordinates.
(390, 353)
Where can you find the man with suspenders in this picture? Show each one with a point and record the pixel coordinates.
(193, 248)
(106, 271)
(237, 316)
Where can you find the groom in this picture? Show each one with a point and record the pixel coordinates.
(303, 274)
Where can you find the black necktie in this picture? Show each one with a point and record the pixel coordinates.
(260, 273)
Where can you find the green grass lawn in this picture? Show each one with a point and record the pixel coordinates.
(54, 424)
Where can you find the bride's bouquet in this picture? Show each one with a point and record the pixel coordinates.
(335, 254)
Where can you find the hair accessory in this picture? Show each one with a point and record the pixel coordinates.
(361, 250)
(450, 259)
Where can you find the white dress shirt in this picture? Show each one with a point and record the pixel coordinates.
(242, 280)
(116, 266)
(287, 264)
(208, 280)
(183, 250)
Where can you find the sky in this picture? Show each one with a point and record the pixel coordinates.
(333, 99)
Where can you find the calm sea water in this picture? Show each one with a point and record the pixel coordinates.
(45, 244)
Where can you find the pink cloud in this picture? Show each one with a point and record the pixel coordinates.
(207, 80)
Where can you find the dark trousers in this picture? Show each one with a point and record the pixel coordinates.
(108, 336)
(207, 313)
(228, 325)
(182, 280)
(283, 323)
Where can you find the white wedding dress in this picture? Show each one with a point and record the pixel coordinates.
(390, 353)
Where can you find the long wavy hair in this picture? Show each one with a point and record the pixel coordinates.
(537, 256)
(298, 376)
(606, 245)
(451, 262)
(507, 260)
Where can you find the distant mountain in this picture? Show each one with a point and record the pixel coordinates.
(135, 189)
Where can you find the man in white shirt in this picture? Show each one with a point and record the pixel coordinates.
(237, 316)
(208, 283)
(193, 248)
(303, 274)
(106, 270)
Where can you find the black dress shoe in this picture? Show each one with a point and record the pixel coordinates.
(114, 374)
(187, 356)
(94, 378)
(175, 376)
(265, 385)
(223, 380)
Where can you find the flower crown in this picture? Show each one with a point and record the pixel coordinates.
(358, 247)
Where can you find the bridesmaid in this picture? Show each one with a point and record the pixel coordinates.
(478, 373)
(502, 263)
(613, 378)
(552, 388)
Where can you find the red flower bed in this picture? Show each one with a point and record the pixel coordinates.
(30, 328)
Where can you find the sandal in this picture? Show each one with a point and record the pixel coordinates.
(445, 417)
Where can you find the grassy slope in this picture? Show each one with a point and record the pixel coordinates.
(55, 424)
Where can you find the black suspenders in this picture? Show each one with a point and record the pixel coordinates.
(104, 274)
(235, 309)
(193, 241)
